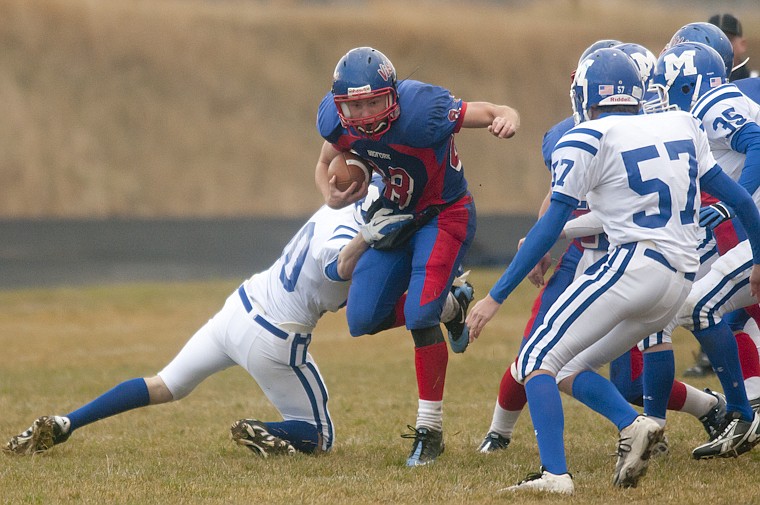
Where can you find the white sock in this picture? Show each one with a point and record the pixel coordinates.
(697, 403)
(752, 385)
(430, 415)
(504, 421)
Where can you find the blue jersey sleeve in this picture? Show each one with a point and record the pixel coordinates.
(429, 114)
(552, 136)
(747, 141)
(538, 241)
(328, 122)
(750, 87)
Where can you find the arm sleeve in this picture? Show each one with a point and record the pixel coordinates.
(747, 141)
(538, 241)
(717, 183)
(583, 226)
(331, 271)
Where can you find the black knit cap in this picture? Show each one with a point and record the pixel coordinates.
(728, 23)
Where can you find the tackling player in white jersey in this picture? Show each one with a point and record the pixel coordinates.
(265, 327)
(643, 174)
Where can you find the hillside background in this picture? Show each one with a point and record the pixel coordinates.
(192, 108)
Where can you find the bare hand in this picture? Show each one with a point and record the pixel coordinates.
(338, 199)
(502, 127)
(754, 281)
(480, 314)
(536, 275)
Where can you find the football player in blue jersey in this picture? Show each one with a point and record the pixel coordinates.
(406, 130)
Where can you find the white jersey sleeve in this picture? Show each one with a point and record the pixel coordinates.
(296, 289)
(641, 175)
(723, 111)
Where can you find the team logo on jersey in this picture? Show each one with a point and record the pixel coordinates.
(385, 70)
(378, 154)
(454, 115)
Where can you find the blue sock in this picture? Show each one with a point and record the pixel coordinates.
(301, 435)
(545, 407)
(128, 395)
(621, 376)
(659, 374)
(602, 396)
(719, 344)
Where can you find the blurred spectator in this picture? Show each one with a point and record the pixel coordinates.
(733, 29)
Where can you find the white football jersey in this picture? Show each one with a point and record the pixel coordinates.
(296, 288)
(641, 175)
(723, 111)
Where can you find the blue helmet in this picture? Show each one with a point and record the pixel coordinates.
(709, 35)
(364, 73)
(683, 74)
(642, 57)
(599, 44)
(605, 77)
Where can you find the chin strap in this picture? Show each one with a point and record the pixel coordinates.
(740, 65)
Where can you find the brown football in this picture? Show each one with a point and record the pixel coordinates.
(348, 167)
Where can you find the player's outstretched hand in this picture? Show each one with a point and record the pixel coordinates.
(503, 127)
(338, 199)
(754, 282)
(480, 314)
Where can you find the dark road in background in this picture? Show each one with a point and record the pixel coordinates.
(37, 253)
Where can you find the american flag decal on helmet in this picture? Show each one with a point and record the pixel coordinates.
(605, 89)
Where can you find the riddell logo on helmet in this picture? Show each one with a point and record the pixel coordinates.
(622, 99)
(386, 71)
(360, 91)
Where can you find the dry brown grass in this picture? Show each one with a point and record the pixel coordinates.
(62, 347)
(144, 108)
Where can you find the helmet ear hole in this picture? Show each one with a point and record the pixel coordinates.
(686, 89)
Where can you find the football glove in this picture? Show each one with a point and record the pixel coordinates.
(383, 222)
(712, 215)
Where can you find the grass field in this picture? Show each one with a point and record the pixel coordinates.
(62, 347)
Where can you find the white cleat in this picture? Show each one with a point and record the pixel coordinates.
(544, 482)
(635, 449)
